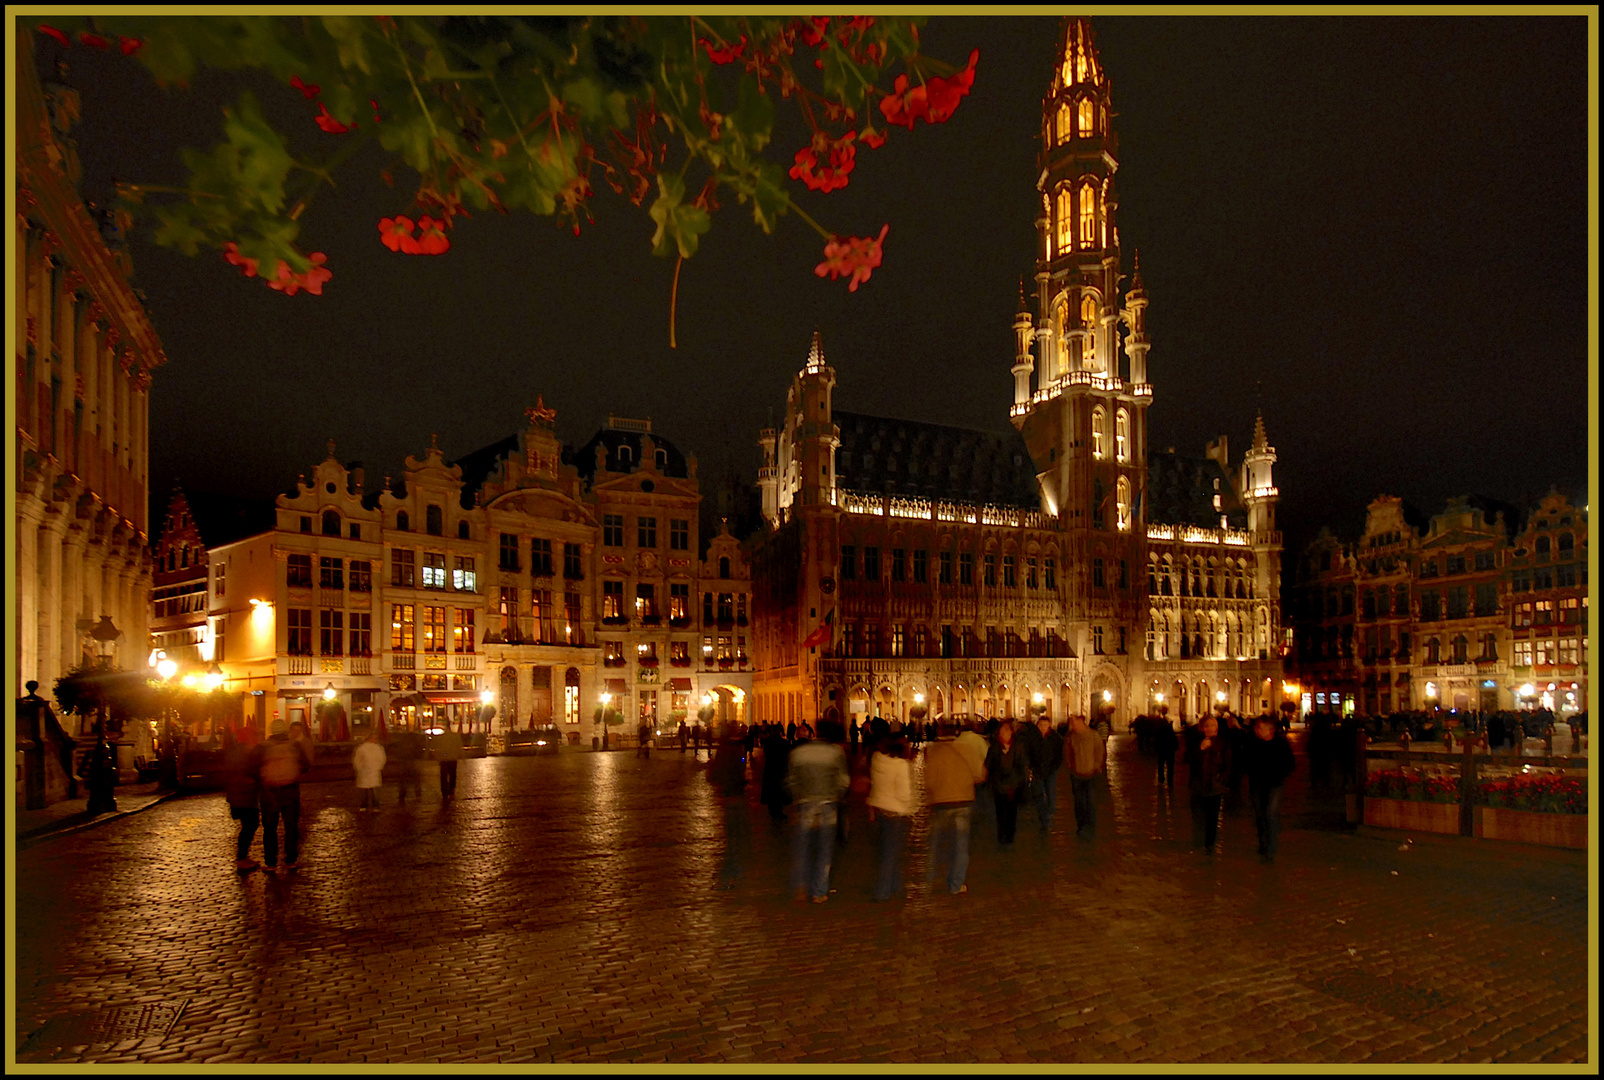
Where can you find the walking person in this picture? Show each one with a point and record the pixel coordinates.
(1165, 743)
(1052, 759)
(243, 761)
(368, 763)
(407, 749)
(1267, 762)
(891, 805)
(1086, 756)
(776, 763)
(816, 777)
(951, 776)
(1209, 775)
(684, 734)
(1010, 778)
(448, 749)
(643, 732)
(727, 774)
(284, 762)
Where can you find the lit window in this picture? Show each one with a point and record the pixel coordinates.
(1122, 425)
(1066, 121)
(1098, 418)
(1122, 500)
(1088, 216)
(1086, 118)
(1088, 344)
(1066, 218)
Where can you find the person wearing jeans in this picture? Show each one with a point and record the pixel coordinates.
(1084, 752)
(816, 777)
(950, 778)
(891, 803)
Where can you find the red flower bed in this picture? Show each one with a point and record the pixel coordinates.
(1549, 793)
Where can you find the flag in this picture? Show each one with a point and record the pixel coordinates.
(822, 633)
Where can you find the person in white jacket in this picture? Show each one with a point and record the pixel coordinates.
(368, 761)
(891, 802)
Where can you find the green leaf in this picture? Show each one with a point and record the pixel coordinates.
(752, 122)
(350, 32)
(770, 200)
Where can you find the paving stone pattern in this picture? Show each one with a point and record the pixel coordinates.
(564, 909)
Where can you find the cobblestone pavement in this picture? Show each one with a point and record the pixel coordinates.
(563, 909)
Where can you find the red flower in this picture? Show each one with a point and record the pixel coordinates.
(813, 30)
(374, 102)
(724, 54)
(51, 31)
(307, 91)
(129, 45)
(854, 255)
(231, 253)
(316, 274)
(287, 281)
(94, 40)
(873, 139)
(331, 125)
(397, 234)
(903, 106)
(432, 239)
(843, 156)
(944, 94)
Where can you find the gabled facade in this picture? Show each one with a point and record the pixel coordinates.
(1547, 572)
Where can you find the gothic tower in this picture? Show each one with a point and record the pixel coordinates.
(1260, 495)
(1085, 419)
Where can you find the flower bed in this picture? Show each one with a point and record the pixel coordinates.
(1544, 793)
(1412, 786)
(1532, 827)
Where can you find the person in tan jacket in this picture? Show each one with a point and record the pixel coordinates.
(950, 779)
(1084, 755)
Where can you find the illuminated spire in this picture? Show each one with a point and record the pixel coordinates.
(1260, 440)
(816, 353)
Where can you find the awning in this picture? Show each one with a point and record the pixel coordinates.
(682, 685)
(615, 686)
(450, 697)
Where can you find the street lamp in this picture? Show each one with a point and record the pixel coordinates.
(214, 678)
(329, 693)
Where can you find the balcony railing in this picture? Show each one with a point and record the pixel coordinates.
(361, 665)
(298, 665)
(403, 661)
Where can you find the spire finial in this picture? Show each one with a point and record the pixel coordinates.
(331, 448)
(1022, 306)
(816, 352)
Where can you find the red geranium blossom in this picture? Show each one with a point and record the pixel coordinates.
(944, 94)
(51, 31)
(94, 40)
(129, 45)
(723, 54)
(331, 125)
(873, 139)
(289, 282)
(231, 253)
(813, 30)
(308, 91)
(903, 106)
(842, 156)
(854, 255)
(397, 234)
(432, 239)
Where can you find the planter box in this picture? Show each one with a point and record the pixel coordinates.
(1412, 815)
(1532, 827)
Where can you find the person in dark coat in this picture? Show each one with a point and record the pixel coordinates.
(243, 762)
(776, 763)
(1165, 743)
(1209, 774)
(727, 774)
(1052, 760)
(1010, 779)
(1267, 762)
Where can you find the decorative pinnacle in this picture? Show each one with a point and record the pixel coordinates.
(331, 448)
(1022, 306)
(1260, 441)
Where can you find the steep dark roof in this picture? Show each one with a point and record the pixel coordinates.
(885, 456)
(1180, 491)
(223, 519)
(479, 464)
(584, 458)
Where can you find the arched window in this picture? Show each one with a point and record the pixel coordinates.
(1122, 436)
(402, 522)
(1169, 576)
(331, 523)
(1542, 547)
(1066, 221)
(626, 455)
(1433, 651)
(1088, 216)
(661, 458)
(1461, 650)
(1122, 500)
(462, 530)
(1567, 545)
(1088, 344)
(724, 566)
(1086, 118)
(1066, 123)
(1152, 575)
(1080, 66)
(1097, 432)
(434, 521)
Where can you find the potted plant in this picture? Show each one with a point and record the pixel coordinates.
(1412, 799)
(1533, 808)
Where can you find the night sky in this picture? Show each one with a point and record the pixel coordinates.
(1374, 230)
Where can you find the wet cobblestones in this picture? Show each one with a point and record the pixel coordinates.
(564, 909)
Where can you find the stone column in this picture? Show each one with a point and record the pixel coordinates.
(30, 514)
(73, 556)
(48, 602)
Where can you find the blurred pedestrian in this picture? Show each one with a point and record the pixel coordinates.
(891, 805)
(243, 763)
(684, 734)
(1209, 774)
(407, 749)
(368, 763)
(1267, 762)
(1086, 756)
(1010, 779)
(284, 762)
(643, 732)
(1165, 743)
(727, 774)
(448, 749)
(776, 763)
(816, 777)
(1052, 759)
(951, 776)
